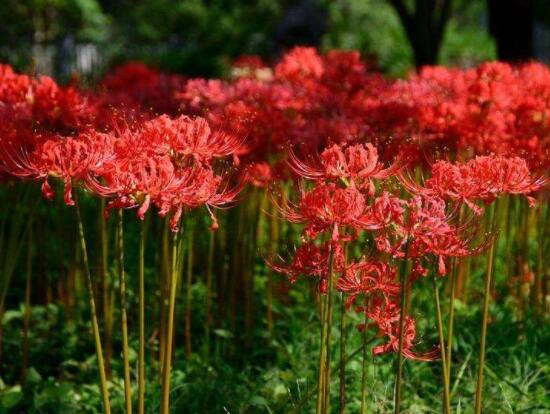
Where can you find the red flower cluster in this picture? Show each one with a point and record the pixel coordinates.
(342, 204)
(40, 104)
(137, 87)
(111, 143)
(354, 193)
(172, 163)
(483, 178)
(495, 108)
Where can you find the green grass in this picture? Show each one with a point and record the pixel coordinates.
(277, 374)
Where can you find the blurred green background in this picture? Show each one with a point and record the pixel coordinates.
(200, 37)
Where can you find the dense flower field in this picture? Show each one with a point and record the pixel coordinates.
(365, 186)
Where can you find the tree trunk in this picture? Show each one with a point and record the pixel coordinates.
(511, 24)
(424, 27)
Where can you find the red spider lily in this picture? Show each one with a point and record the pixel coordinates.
(259, 174)
(366, 277)
(163, 162)
(482, 178)
(42, 104)
(386, 317)
(328, 207)
(188, 137)
(67, 158)
(138, 181)
(507, 176)
(311, 260)
(357, 164)
(136, 86)
(388, 209)
(198, 186)
(422, 227)
(299, 64)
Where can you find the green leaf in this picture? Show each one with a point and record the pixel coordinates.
(223, 333)
(258, 401)
(10, 315)
(11, 398)
(33, 376)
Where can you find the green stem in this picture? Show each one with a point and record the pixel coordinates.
(323, 386)
(452, 296)
(486, 299)
(403, 303)
(342, 354)
(364, 367)
(165, 277)
(95, 326)
(188, 295)
(450, 321)
(321, 377)
(208, 299)
(27, 312)
(123, 316)
(106, 294)
(328, 317)
(446, 393)
(165, 406)
(141, 352)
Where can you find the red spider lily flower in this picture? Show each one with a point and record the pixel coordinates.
(328, 207)
(137, 182)
(67, 158)
(44, 105)
(135, 86)
(386, 317)
(63, 109)
(14, 92)
(482, 178)
(356, 164)
(190, 138)
(311, 260)
(164, 162)
(507, 176)
(367, 277)
(422, 227)
(198, 186)
(259, 174)
(388, 209)
(300, 63)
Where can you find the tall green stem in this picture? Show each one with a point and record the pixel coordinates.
(452, 296)
(189, 294)
(123, 316)
(165, 275)
(364, 366)
(486, 299)
(208, 299)
(321, 377)
(402, 315)
(451, 317)
(446, 393)
(95, 326)
(342, 354)
(165, 405)
(141, 352)
(323, 387)
(328, 317)
(107, 297)
(27, 312)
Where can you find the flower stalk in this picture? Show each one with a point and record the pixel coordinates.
(95, 327)
(483, 335)
(123, 314)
